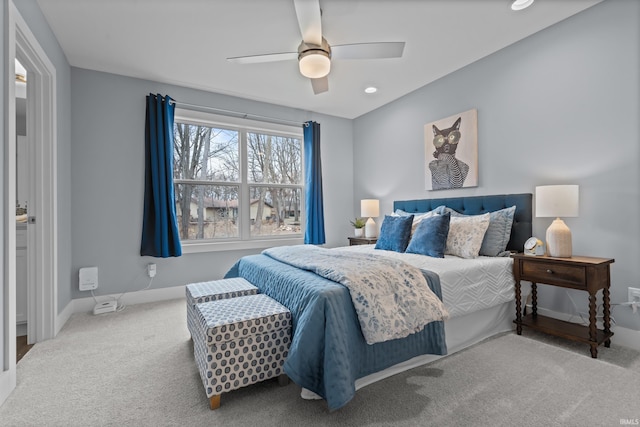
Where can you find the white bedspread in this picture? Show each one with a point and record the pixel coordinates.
(468, 285)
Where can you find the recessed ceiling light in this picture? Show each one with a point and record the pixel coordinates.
(521, 4)
(371, 89)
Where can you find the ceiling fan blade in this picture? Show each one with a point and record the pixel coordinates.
(320, 85)
(269, 57)
(309, 20)
(368, 50)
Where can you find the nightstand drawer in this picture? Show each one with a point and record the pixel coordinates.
(362, 241)
(554, 273)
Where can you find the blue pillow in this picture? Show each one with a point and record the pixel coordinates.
(430, 237)
(498, 233)
(395, 233)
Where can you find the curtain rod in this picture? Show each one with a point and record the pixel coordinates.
(238, 113)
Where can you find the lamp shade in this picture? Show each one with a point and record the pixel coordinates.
(370, 208)
(557, 201)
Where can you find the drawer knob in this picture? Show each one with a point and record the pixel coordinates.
(549, 271)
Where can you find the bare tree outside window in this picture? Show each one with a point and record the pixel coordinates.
(209, 184)
(274, 159)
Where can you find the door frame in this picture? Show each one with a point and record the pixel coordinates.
(43, 186)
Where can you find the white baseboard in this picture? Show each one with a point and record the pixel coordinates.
(63, 316)
(626, 337)
(81, 305)
(21, 329)
(622, 336)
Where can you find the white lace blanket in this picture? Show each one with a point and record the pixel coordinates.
(392, 298)
(467, 285)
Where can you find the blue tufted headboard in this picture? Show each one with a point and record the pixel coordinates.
(521, 229)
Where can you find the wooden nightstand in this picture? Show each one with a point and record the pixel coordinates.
(583, 273)
(362, 241)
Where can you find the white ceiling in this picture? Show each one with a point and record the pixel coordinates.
(186, 42)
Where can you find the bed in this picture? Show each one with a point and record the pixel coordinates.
(329, 355)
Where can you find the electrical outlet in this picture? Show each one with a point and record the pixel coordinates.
(634, 295)
(151, 270)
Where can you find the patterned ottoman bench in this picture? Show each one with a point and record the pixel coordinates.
(212, 291)
(239, 342)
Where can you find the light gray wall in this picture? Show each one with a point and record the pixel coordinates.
(559, 107)
(107, 180)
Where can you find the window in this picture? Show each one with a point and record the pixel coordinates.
(236, 180)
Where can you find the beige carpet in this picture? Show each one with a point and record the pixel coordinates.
(136, 368)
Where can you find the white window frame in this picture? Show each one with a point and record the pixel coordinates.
(243, 126)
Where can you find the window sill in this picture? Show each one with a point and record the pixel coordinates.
(198, 247)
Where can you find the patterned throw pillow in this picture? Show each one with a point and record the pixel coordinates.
(466, 234)
(418, 217)
(395, 233)
(430, 237)
(498, 233)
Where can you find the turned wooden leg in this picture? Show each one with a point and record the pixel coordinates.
(534, 299)
(214, 402)
(607, 317)
(593, 329)
(518, 309)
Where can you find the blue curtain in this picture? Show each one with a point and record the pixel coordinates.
(314, 231)
(160, 237)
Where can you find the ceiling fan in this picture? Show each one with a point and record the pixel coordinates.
(314, 54)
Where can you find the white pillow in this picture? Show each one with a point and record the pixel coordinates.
(418, 217)
(466, 234)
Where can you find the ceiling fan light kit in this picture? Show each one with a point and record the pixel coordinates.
(314, 61)
(315, 54)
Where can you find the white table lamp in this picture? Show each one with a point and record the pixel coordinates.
(370, 208)
(557, 201)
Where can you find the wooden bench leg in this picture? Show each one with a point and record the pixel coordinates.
(283, 379)
(214, 402)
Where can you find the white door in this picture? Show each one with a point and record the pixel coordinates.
(21, 274)
(22, 197)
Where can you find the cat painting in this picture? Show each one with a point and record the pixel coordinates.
(447, 170)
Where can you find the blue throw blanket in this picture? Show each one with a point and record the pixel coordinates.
(392, 298)
(328, 351)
